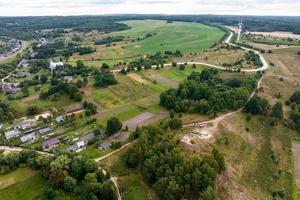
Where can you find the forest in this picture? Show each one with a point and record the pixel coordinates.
(27, 27)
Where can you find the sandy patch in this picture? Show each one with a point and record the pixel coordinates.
(138, 78)
(279, 34)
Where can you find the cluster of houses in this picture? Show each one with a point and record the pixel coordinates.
(16, 46)
(27, 131)
(9, 87)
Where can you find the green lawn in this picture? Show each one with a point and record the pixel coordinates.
(30, 188)
(184, 36)
(179, 75)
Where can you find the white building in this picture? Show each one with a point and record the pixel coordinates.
(54, 65)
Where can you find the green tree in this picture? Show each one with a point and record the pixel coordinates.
(277, 110)
(70, 184)
(113, 125)
(49, 193)
(207, 194)
(32, 110)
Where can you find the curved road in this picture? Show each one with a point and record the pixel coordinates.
(227, 41)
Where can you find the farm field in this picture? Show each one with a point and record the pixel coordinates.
(187, 37)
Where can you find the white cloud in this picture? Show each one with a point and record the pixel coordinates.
(98, 7)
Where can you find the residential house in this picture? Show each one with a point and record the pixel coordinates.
(104, 145)
(59, 119)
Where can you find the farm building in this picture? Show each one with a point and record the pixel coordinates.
(51, 143)
(12, 134)
(75, 111)
(28, 137)
(44, 130)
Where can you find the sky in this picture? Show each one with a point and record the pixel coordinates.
(101, 7)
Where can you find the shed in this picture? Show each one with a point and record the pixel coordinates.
(104, 146)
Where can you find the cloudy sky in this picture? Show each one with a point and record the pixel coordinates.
(99, 7)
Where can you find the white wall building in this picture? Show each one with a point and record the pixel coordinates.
(54, 65)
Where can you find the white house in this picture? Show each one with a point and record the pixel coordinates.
(53, 65)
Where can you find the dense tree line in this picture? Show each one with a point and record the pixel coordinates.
(5, 112)
(109, 40)
(70, 172)
(207, 93)
(85, 50)
(28, 27)
(164, 166)
(294, 103)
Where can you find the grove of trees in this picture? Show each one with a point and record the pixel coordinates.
(69, 172)
(172, 174)
(208, 93)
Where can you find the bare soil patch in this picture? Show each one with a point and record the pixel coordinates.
(30, 98)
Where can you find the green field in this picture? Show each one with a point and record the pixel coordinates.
(187, 37)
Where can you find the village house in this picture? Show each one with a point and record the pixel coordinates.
(51, 143)
(59, 119)
(26, 124)
(54, 65)
(82, 142)
(28, 137)
(104, 146)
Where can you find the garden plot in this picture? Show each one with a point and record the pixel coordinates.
(138, 78)
(163, 80)
(131, 123)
